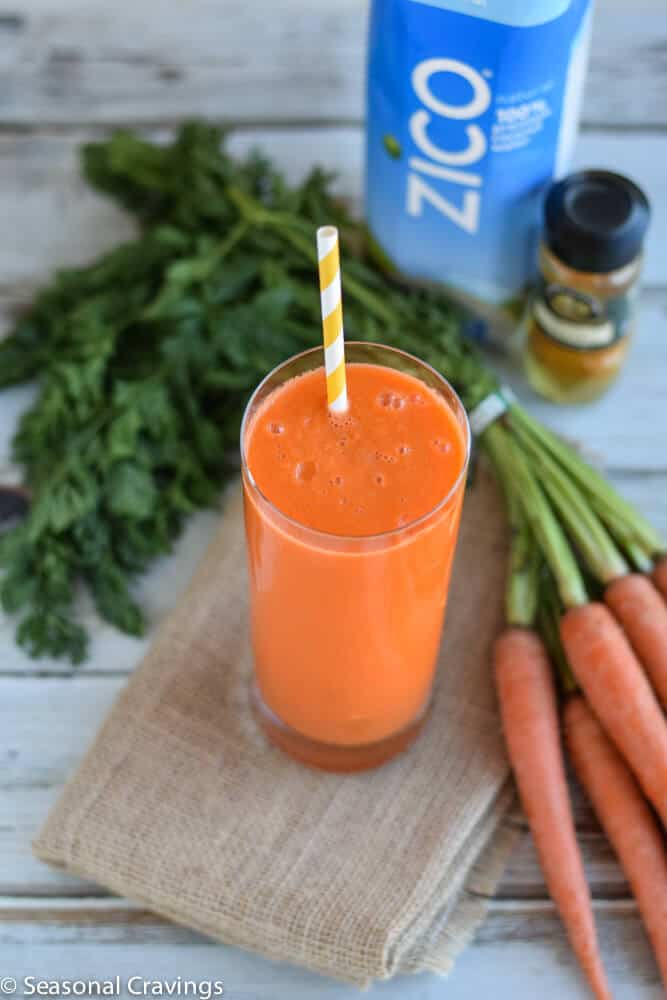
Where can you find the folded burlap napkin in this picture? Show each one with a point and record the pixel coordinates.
(181, 805)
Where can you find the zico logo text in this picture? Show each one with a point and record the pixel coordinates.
(427, 174)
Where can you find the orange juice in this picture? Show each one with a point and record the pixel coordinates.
(351, 525)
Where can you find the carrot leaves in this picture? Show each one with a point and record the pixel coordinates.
(144, 360)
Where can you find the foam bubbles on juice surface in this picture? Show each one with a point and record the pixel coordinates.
(341, 419)
(305, 471)
(444, 447)
(342, 424)
(391, 400)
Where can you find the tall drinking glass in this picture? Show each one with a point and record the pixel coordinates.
(345, 627)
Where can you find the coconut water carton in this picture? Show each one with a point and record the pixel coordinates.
(472, 112)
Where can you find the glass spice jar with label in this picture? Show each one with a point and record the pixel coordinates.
(582, 315)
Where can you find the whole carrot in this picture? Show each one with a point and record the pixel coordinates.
(625, 818)
(530, 720)
(619, 693)
(660, 576)
(642, 612)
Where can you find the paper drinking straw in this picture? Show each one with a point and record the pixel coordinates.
(332, 317)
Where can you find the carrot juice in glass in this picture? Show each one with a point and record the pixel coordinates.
(351, 524)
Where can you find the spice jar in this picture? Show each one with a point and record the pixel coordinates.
(582, 315)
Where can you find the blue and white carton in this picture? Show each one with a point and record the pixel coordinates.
(472, 112)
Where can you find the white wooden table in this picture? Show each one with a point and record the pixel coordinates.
(288, 76)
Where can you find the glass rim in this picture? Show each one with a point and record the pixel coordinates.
(331, 536)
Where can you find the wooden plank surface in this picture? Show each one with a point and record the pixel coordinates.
(289, 79)
(81, 62)
(54, 219)
(524, 946)
(49, 722)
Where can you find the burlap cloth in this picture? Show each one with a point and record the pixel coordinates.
(181, 805)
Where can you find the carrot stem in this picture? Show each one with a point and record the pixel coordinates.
(521, 591)
(590, 536)
(639, 557)
(548, 620)
(623, 520)
(506, 453)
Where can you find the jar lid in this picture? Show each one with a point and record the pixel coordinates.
(596, 220)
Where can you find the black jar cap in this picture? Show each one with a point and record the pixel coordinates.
(596, 220)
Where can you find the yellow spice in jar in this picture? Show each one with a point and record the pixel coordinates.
(582, 315)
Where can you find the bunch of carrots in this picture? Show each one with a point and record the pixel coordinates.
(586, 612)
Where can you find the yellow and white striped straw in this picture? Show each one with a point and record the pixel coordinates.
(332, 317)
